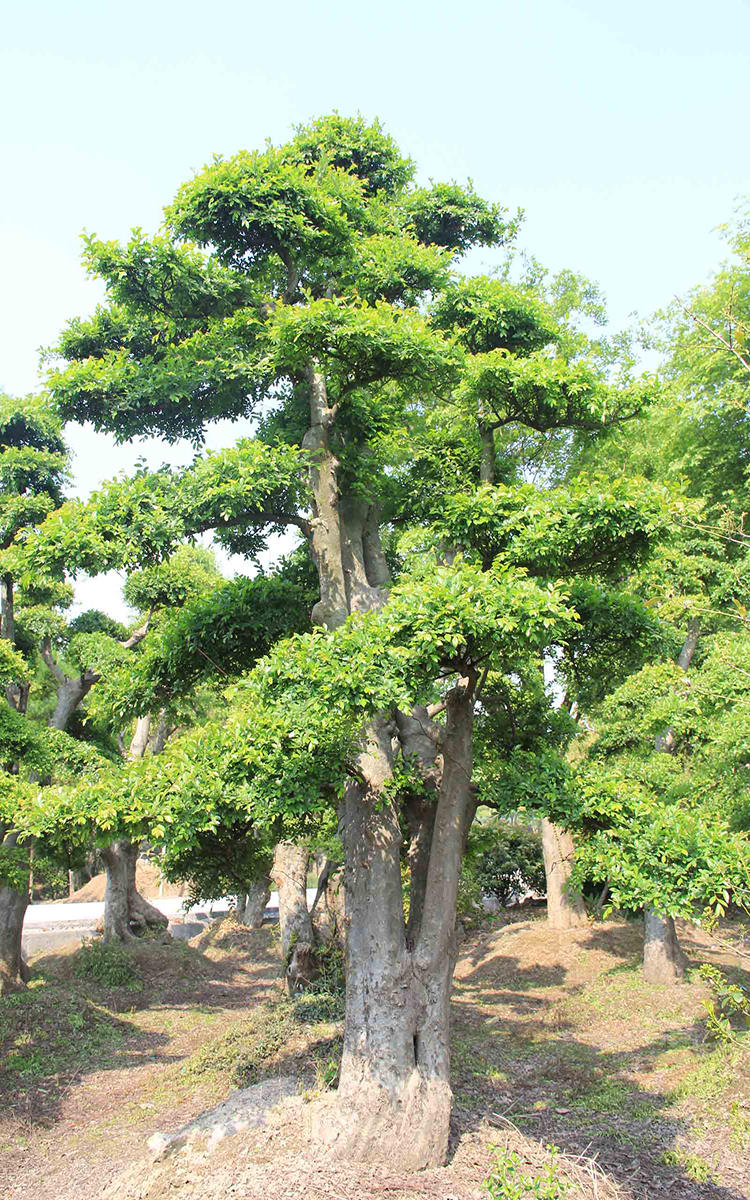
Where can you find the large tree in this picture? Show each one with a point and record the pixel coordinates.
(314, 285)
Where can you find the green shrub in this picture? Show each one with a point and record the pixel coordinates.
(108, 964)
(507, 860)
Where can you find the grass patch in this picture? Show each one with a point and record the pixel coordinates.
(46, 1032)
(240, 1054)
(695, 1167)
(609, 1096)
(109, 964)
(708, 1080)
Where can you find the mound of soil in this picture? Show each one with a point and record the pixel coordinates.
(147, 879)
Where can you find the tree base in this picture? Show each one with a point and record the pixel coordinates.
(367, 1125)
(664, 960)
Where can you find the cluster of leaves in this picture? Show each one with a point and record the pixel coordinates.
(507, 860)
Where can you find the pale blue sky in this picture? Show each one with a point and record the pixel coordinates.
(619, 128)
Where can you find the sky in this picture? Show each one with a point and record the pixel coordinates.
(619, 129)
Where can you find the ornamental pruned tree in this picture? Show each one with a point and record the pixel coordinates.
(317, 280)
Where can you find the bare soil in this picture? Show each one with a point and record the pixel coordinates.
(556, 1042)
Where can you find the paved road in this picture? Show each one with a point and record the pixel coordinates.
(49, 925)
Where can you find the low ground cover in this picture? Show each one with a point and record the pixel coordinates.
(570, 1074)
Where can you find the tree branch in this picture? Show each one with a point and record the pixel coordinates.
(713, 333)
(138, 634)
(46, 652)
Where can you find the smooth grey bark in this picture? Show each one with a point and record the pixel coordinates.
(289, 876)
(565, 907)
(116, 908)
(325, 535)
(394, 1086)
(664, 960)
(328, 912)
(124, 906)
(419, 737)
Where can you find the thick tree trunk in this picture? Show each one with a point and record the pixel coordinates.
(419, 737)
(70, 693)
(116, 907)
(565, 908)
(664, 960)
(125, 909)
(251, 904)
(13, 970)
(143, 915)
(289, 877)
(395, 1072)
(394, 1088)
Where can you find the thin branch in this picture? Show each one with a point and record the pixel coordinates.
(713, 333)
(213, 664)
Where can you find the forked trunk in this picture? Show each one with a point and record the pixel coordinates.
(565, 907)
(394, 1089)
(395, 1071)
(664, 960)
(13, 970)
(126, 913)
(251, 905)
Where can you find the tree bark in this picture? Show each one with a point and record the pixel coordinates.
(13, 970)
(125, 909)
(395, 1071)
(394, 1087)
(70, 693)
(289, 877)
(251, 904)
(565, 908)
(664, 960)
(325, 538)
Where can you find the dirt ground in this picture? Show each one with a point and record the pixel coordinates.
(567, 1068)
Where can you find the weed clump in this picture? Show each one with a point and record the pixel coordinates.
(108, 964)
(507, 1181)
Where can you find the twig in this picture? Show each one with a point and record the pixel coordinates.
(717, 336)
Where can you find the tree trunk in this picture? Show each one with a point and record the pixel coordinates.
(251, 905)
(142, 914)
(565, 908)
(116, 908)
(328, 913)
(70, 693)
(289, 877)
(13, 970)
(124, 906)
(664, 960)
(395, 1071)
(394, 1088)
